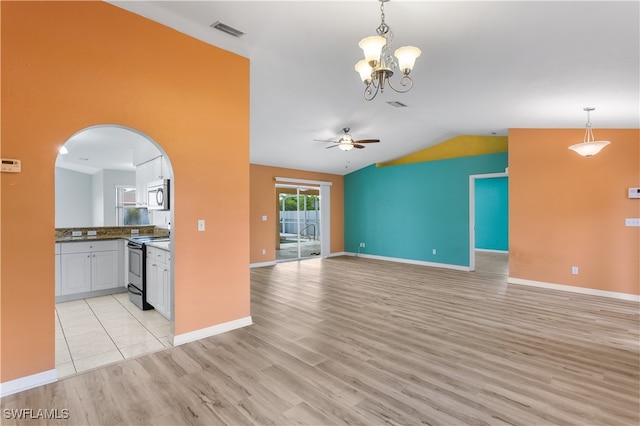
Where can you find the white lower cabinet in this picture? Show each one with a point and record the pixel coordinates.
(75, 273)
(88, 266)
(159, 280)
(104, 270)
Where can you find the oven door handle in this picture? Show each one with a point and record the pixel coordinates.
(133, 289)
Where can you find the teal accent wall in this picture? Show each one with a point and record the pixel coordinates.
(492, 213)
(406, 211)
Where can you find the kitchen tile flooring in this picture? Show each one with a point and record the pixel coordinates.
(101, 330)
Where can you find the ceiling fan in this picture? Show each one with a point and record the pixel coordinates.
(346, 142)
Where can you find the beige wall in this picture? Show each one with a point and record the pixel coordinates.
(70, 65)
(263, 202)
(566, 210)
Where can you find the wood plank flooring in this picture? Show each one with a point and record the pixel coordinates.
(350, 340)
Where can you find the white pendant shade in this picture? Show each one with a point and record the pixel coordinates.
(588, 149)
(407, 57)
(364, 69)
(372, 47)
(589, 146)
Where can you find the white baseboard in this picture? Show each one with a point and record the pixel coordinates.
(340, 253)
(412, 262)
(262, 264)
(181, 339)
(28, 382)
(273, 262)
(492, 251)
(574, 289)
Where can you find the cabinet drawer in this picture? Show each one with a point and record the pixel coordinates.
(88, 246)
(156, 254)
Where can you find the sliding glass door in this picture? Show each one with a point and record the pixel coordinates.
(299, 222)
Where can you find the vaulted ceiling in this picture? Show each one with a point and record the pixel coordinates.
(485, 67)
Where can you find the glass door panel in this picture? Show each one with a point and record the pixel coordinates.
(299, 223)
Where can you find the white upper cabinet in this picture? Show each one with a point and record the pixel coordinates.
(150, 171)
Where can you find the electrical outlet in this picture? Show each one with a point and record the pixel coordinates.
(434, 251)
(76, 233)
(264, 251)
(574, 270)
(200, 225)
(362, 245)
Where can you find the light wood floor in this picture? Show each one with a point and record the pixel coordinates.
(351, 340)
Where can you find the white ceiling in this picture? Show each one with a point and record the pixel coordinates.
(485, 67)
(106, 147)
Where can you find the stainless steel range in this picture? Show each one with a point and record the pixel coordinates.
(137, 285)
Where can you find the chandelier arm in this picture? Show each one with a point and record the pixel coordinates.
(369, 93)
(405, 81)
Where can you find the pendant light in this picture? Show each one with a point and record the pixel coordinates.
(589, 147)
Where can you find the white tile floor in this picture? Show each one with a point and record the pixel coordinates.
(101, 330)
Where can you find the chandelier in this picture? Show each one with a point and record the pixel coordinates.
(378, 64)
(589, 147)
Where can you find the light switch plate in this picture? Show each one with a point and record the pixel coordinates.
(632, 221)
(200, 225)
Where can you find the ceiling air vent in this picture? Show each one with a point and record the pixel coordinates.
(397, 104)
(226, 29)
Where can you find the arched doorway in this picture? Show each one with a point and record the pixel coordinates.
(102, 174)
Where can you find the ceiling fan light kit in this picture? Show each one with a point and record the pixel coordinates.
(346, 142)
(376, 69)
(589, 147)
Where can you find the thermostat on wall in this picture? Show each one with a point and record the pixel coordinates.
(10, 165)
(633, 192)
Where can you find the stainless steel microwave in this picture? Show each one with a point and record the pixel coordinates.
(158, 195)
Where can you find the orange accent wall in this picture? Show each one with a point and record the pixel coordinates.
(566, 210)
(70, 65)
(263, 202)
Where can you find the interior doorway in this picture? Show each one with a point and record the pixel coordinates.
(96, 186)
(299, 222)
(488, 218)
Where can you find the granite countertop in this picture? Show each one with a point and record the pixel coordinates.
(90, 238)
(64, 235)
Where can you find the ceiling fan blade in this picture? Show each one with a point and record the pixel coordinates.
(332, 146)
(367, 141)
(325, 140)
(355, 145)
